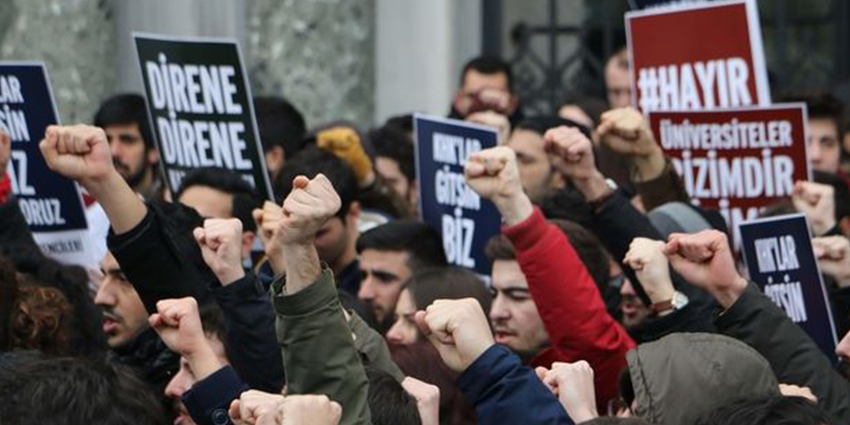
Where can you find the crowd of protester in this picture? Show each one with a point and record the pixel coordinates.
(612, 298)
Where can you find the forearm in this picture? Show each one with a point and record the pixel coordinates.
(203, 362)
(249, 316)
(319, 353)
(514, 209)
(593, 187)
(302, 266)
(124, 209)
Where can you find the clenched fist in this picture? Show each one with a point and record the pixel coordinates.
(5, 152)
(705, 260)
(78, 152)
(833, 256)
(817, 202)
(458, 329)
(310, 204)
(646, 257)
(493, 174)
(573, 384)
(625, 130)
(257, 408)
(221, 245)
(572, 152)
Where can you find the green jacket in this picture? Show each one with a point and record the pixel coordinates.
(318, 350)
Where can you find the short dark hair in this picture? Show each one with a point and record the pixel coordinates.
(489, 65)
(820, 105)
(245, 197)
(541, 123)
(590, 251)
(124, 109)
(393, 143)
(593, 106)
(77, 391)
(422, 243)
(769, 410)
(311, 161)
(389, 403)
(280, 124)
(402, 122)
(452, 283)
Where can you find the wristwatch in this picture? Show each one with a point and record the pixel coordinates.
(678, 302)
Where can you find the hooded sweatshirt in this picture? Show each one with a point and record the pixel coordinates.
(683, 376)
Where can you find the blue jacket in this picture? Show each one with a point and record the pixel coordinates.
(504, 391)
(209, 399)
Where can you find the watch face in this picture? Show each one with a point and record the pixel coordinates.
(680, 300)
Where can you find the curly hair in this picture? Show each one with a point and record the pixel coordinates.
(40, 320)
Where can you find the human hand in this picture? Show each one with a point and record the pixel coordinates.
(833, 256)
(345, 143)
(495, 120)
(268, 220)
(625, 130)
(646, 257)
(458, 329)
(257, 408)
(5, 153)
(493, 174)
(573, 384)
(705, 260)
(309, 205)
(427, 399)
(78, 152)
(178, 324)
(572, 152)
(310, 410)
(790, 390)
(817, 202)
(221, 246)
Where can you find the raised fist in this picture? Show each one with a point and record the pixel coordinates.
(257, 408)
(310, 409)
(572, 152)
(493, 174)
(178, 324)
(573, 384)
(625, 130)
(495, 120)
(833, 256)
(458, 329)
(646, 257)
(310, 204)
(427, 399)
(221, 245)
(817, 202)
(705, 260)
(78, 152)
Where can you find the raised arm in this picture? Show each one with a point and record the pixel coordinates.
(565, 294)
(492, 378)
(705, 260)
(82, 153)
(318, 350)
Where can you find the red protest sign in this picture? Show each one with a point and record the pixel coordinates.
(736, 160)
(697, 57)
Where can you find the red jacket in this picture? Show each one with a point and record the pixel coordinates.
(570, 305)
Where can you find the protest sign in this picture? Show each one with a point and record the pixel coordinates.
(736, 161)
(201, 108)
(780, 259)
(646, 4)
(703, 56)
(50, 203)
(446, 202)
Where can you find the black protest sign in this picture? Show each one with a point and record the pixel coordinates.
(780, 259)
(201, 109)
(446, 202)
(51, 204)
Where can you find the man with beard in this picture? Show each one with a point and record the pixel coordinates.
(389, 255)
(125, 120)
